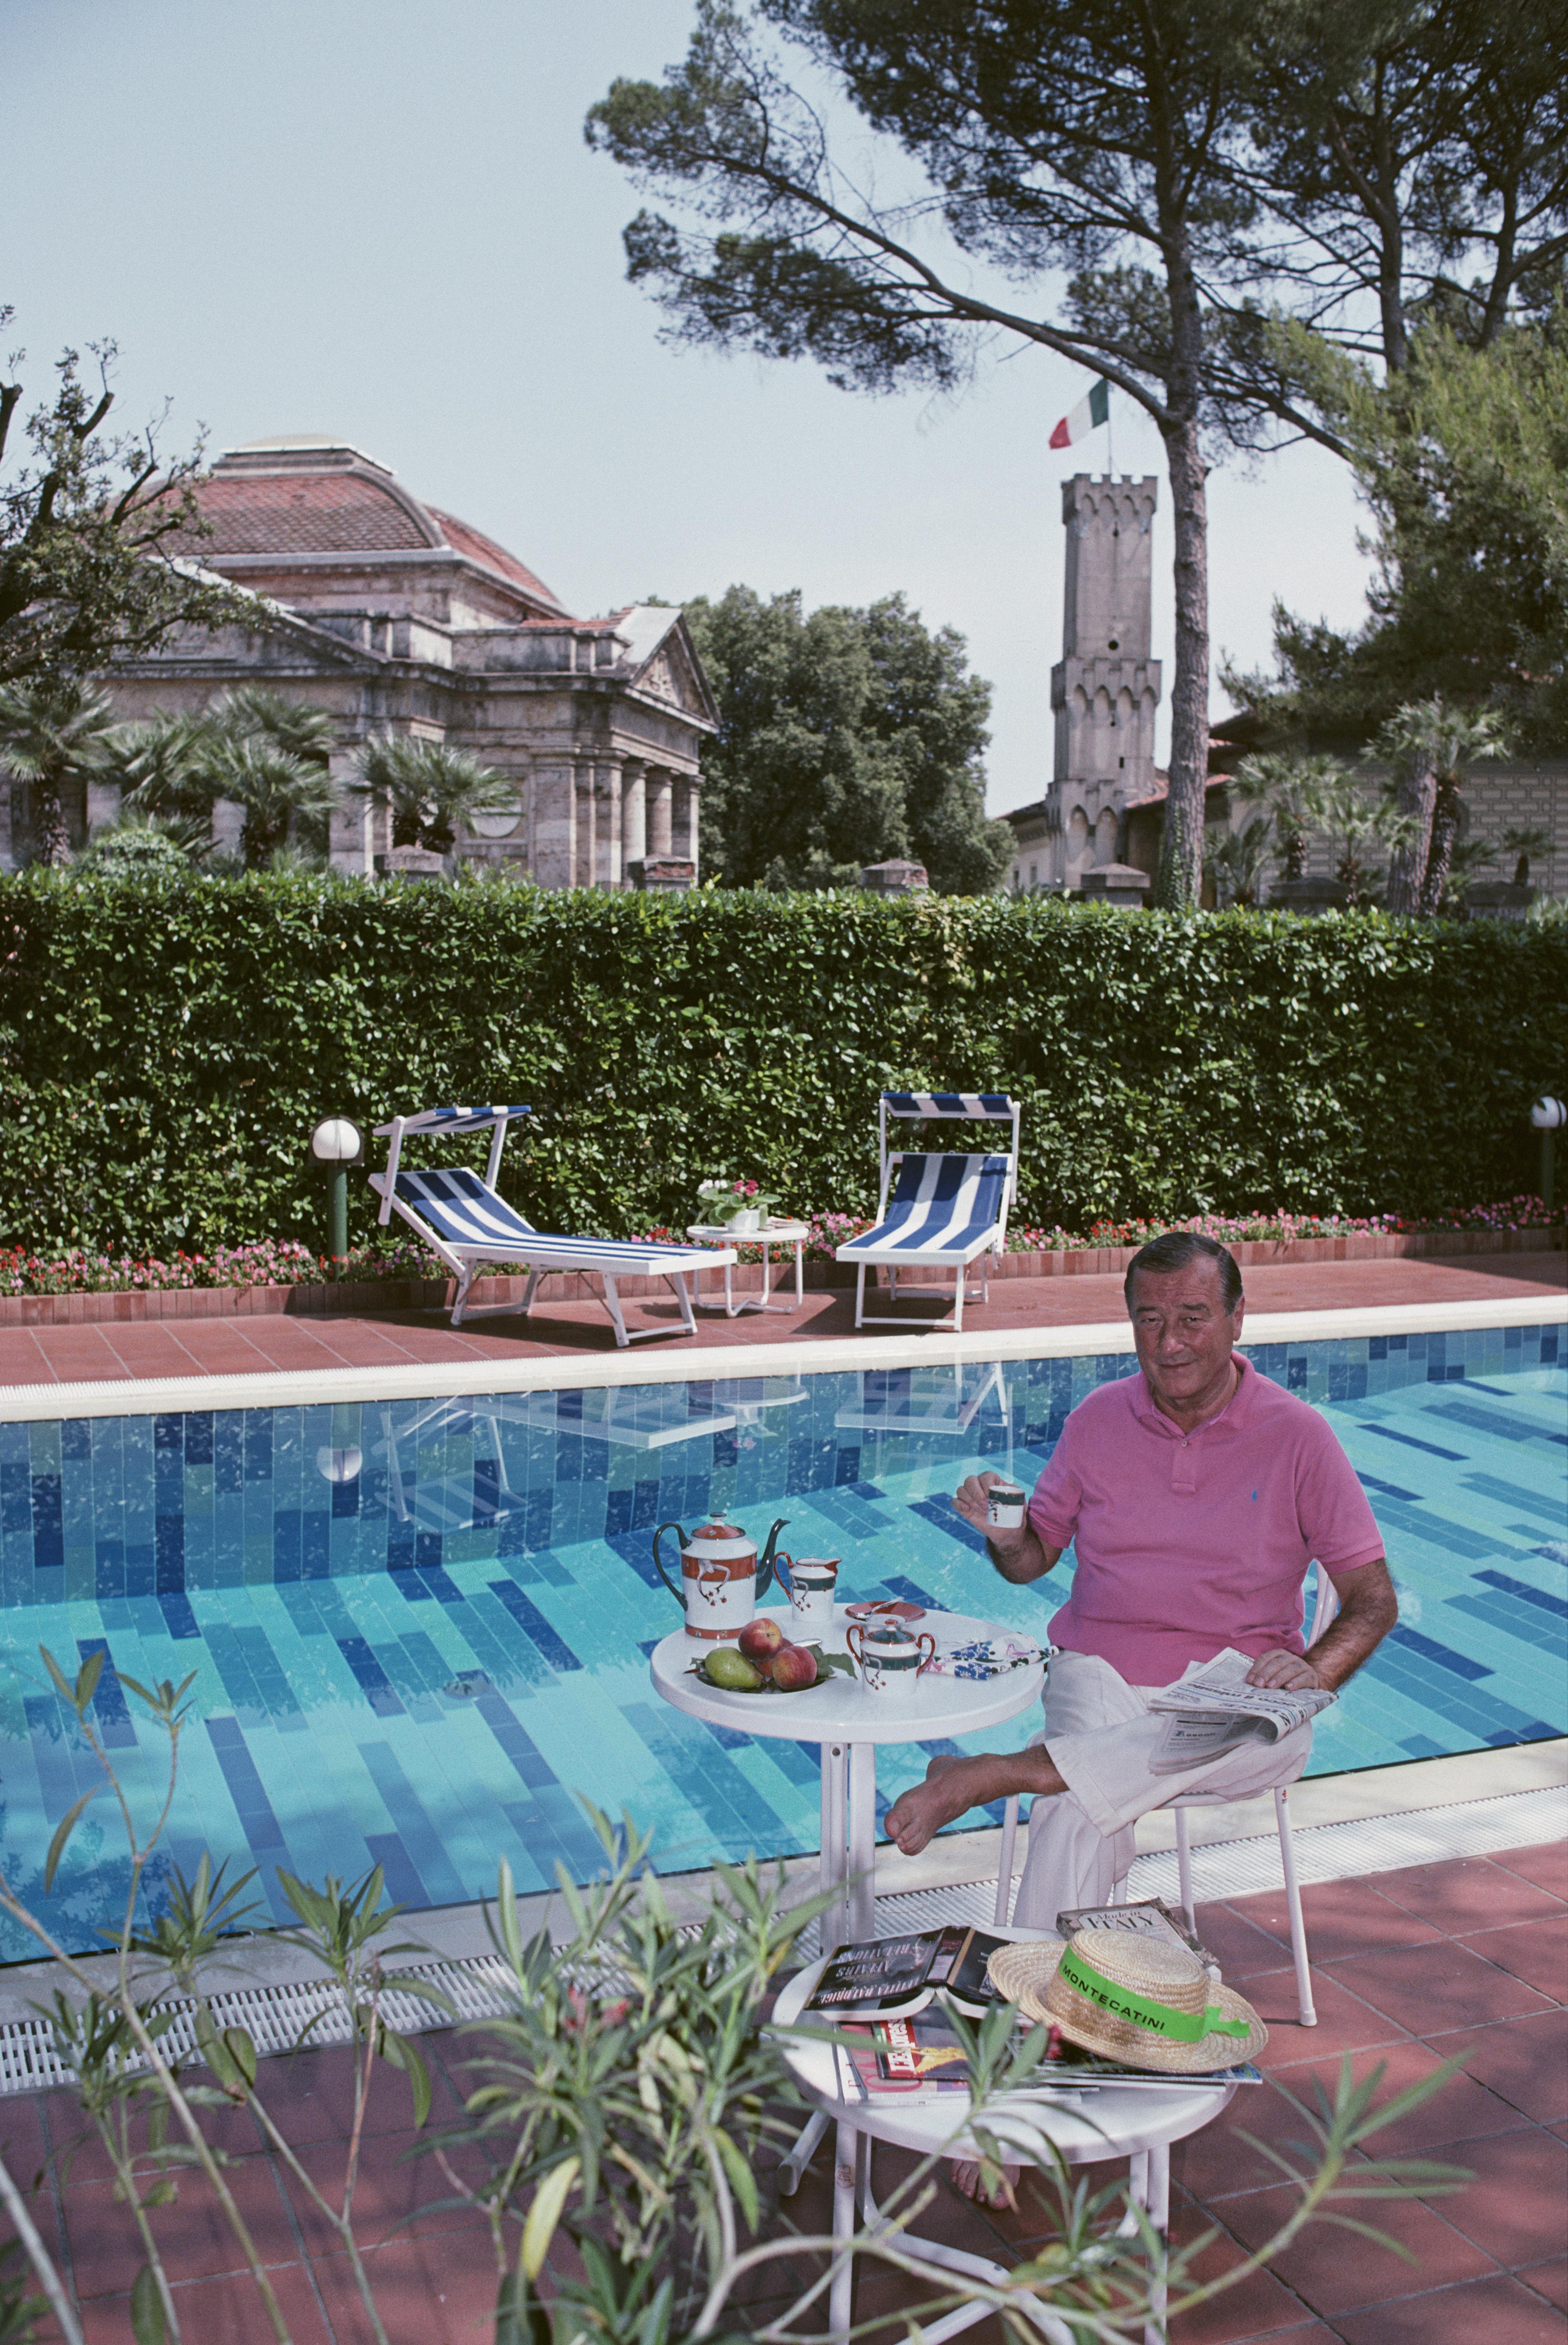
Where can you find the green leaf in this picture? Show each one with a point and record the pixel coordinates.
(549, 2203)
(743, 2182)
(400, 2052)
(240, 2047)
(149, 2326)
(63, 1832)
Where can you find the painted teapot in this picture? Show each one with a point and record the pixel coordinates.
(721, 1576)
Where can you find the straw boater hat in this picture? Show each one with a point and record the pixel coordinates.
(1140, 2000)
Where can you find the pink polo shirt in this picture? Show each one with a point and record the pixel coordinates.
(1190, 1542)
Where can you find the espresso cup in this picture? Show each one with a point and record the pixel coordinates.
(1006, 1504)
(812, 1581)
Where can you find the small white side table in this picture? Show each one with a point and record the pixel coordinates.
(777, 1233)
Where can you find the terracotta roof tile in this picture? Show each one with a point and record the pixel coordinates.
(473, 543)
(304, 512)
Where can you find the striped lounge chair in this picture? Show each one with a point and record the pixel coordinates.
(937, 1211)
(464, 1222)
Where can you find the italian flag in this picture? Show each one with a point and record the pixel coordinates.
(1080, 421)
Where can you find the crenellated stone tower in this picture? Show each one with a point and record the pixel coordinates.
(1105, 688)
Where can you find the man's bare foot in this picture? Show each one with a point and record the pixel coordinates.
(966, 2176)
(924, 1808)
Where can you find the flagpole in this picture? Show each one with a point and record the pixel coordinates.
(1110, 437)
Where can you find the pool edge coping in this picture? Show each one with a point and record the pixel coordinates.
(433, 1380)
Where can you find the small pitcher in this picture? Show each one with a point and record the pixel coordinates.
(721, 1576)
(890, 1655)
(812, 1583)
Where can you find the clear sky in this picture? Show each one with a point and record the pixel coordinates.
(378, 218)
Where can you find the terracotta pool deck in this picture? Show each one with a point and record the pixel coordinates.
(1467, 1959)
(107, 1350)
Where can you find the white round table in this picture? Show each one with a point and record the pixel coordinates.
(1138, 2122)
(849, 1722)
(778, 1232)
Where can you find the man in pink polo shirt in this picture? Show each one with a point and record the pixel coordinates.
(1197, 1494)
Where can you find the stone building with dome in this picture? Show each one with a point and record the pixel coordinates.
(399, 618)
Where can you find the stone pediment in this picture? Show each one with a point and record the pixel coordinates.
(663, 662)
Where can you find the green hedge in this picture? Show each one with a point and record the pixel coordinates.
(165, 1045)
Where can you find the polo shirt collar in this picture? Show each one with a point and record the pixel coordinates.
(1233, 1417)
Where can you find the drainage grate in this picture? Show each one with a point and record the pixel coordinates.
(275, 2017)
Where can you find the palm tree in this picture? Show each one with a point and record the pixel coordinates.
(1347, 814)
(1429, 745)
(53, 734)
(163, 767)
(298, 727)
(431, 790)
(1237, 861)
(277, 791)
(1288, 787)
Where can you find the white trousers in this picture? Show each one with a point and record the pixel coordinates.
(1101, 1734)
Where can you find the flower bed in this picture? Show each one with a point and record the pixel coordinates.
(1513, 1214)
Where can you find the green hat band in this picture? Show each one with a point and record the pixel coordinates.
(1176, 2026)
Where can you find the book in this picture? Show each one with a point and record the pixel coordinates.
(1212, 1709)
(883, 1979)
(893, 1978)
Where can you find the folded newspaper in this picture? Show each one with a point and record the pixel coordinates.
(1211, 1708)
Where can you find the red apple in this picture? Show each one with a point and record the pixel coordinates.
(794, 1666)
(760, 1638)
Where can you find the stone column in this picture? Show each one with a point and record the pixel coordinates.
(634, 812)
(349, 843)
(584, 873)
(687, 798)
(661, 793)
(613, 873)
(553, 822)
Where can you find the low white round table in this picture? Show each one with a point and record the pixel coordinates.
(849, 1722)
(777, 1233)
(1138, 2122)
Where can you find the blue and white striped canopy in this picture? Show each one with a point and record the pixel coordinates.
(940, 1205)
(453, 1119)
(990, 1107)
(472, 1219)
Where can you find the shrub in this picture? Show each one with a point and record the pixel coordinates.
(166, 1042)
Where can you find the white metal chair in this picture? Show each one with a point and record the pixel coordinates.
(1326, 1605)
(946, 1208)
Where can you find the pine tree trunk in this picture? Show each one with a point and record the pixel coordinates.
(1416, 796)
(1446, 811)
(1180, 877)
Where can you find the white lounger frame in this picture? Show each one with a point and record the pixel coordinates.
(896, 1258)
(463, 1261)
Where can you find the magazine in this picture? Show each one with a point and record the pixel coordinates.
(894, 1977)
(1148, 1917)
(1212, 1709)
(921, 2059)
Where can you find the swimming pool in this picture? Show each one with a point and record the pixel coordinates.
(420, 1626)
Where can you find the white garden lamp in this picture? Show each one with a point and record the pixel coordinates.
(336, 1143)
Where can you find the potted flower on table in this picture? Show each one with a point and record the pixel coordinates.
(741, 1207)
